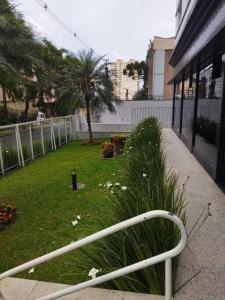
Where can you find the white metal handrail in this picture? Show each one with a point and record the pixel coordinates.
(166, 256)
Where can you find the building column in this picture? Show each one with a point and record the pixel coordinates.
(195, 107)
(174, 96)
(181, 106)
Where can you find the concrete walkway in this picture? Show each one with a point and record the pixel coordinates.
(204, 258)
(23, 289)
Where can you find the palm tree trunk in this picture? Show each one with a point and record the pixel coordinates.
(89, 119)
(27, 105)
(4, 101)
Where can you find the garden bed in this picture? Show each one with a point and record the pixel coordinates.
(47, 207)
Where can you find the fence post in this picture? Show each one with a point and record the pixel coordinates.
(53, 136)
(42, 138)
(74, 124)
(59, 135)
(71, 128)
(1, 158)
(31, 142)
(168, 279)
(19, 146)
(65, 128)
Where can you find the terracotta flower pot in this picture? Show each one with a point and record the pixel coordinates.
(108, 154)
(118, 146)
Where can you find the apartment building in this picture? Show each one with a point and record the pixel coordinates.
(159, 71)
(125, 87)
(198, 60)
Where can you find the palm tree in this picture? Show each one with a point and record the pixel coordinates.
(17, 45)
(87, 85)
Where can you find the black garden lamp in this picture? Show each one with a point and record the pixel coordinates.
(74, 180)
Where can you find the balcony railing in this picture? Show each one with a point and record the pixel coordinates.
(166, 256)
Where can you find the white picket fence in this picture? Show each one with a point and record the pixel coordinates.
(21, 143)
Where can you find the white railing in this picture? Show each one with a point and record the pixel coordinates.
(166, 256)
(162, 113)
(20, 143)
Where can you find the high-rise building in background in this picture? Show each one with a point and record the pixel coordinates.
(125, 87)
(159, 71)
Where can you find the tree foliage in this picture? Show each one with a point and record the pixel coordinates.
(87, 85)
(138, 69)
(34, 70)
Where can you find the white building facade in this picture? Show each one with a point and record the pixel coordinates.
(125, 87)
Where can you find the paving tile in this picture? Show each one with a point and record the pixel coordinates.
(16, 289)
(23, 289)
(206, 254)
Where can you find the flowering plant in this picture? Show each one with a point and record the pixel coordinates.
(118, 138)
(106, 147)
(7, 213)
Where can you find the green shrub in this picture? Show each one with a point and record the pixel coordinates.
(47, 144)
(207, 129)
(148, 187)
(10, 119)
(37, 149)
(10, 158)
(26, 153)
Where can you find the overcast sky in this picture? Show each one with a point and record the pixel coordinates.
(117, 28)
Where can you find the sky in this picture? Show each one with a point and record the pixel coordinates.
(119, 29)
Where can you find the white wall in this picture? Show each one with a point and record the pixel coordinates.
(132, 112)
(158, 73)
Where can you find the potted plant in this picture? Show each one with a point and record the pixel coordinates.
(107, 150)
(118, 141)
(7, 214)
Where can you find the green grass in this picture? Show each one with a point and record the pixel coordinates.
(47, 206)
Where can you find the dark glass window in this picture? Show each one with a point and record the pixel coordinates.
(177, 107)
(188, 109)
(208, 116)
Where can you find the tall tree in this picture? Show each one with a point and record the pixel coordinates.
(87, 85)
(138, 69)
(17, 45)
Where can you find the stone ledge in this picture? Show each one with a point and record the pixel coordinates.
(24, 289)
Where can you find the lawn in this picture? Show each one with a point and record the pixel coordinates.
(47, 206)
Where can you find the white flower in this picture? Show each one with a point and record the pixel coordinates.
(114, 174)
(6, 151)
(123, 187)
(109, 184)
(130, 147)
(78, 217)
(112, 192)
(92, 273)
(31, 271)
(144, 175)
(74, 222)
(149, 142)
(117, 183)
(100, 184)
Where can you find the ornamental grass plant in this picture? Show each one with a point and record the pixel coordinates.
(142, 184)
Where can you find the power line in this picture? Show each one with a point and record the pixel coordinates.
(62, 23)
